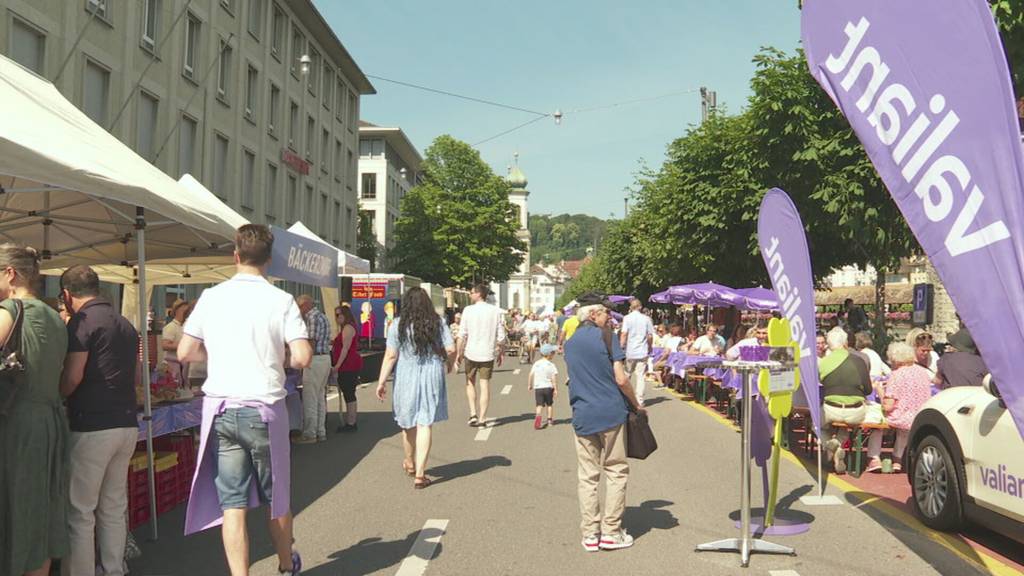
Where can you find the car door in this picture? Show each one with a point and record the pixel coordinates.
(995, 468)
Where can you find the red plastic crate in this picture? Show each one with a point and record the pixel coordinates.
(137, 517)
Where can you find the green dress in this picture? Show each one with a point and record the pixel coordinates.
(34, 447)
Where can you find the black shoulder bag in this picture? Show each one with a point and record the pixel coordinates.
(640, 441)
(11, 361)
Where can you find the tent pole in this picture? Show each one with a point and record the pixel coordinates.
(140, 239)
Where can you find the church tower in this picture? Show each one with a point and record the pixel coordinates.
(516, 292)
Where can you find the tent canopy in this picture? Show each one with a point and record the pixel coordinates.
(711, 294)
(70, 189)
(347, 263)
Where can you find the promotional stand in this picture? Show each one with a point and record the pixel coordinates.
(745, 544)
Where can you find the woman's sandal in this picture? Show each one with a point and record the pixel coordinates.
(409, 468)
(472, 420)
(420, 482)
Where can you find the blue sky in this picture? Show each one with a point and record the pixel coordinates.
(569, 55)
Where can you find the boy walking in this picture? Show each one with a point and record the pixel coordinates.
(542, 381)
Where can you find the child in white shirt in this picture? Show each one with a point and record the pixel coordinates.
(542, 381)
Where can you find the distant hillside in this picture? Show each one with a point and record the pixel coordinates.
(564, 237)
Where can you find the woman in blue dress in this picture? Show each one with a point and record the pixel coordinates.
(421, 345)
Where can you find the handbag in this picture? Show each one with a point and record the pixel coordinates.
(11, 361)
(640, 441)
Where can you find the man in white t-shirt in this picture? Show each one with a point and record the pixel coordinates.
(756, 336)
(710, 344)
(242, 328)
(636, 336)
(480, 341)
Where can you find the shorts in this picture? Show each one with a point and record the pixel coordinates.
(534, 339)
(544, 396)
(242, 441)
(481, 369)
(347, 384)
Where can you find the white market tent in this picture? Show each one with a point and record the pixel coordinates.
(77, 194)
(347, 263)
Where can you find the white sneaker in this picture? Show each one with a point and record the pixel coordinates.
(592, 543)
(616, 541)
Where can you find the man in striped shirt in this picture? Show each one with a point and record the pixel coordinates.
(314, 378)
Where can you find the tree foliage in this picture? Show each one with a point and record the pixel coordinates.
(1009, 16)
(457, 226)
(564, 237)
(366, 240)
(695, 217)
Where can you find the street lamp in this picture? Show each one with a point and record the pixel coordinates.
(304, 62)
(404, 173)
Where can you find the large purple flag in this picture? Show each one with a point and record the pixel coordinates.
(926, 88)
(780, 234)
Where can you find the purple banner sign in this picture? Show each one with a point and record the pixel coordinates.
(780, 234)
(927, 90)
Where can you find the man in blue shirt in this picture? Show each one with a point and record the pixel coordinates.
(598, 393)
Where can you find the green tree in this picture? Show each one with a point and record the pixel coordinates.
(366, 240)
(457, 227)
(1009, 16)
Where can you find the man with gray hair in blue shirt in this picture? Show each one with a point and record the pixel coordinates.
(600, 395)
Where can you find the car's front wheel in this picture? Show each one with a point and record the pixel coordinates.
(936, 485)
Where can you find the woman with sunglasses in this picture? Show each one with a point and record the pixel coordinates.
(347, 362)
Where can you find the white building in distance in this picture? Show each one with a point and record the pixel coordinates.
(547, 283)
(515, 293)
(389, 166)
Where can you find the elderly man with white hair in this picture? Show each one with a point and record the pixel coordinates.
(600, 395)
(846, 382)
(314, 378)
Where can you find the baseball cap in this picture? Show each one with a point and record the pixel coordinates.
(548, 349)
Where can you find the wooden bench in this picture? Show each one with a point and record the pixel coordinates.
(858, 442)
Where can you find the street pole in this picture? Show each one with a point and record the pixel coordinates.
(625, 208)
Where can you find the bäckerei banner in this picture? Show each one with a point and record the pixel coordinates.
(925, 86)
(780, 235)
(300, 259)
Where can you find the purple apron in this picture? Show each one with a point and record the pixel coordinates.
(203, 505)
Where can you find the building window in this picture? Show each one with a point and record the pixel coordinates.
(293, 125)
(248, 175)
(338, 168)
(325, 150)
(348, 225)
(328, 94)
(270, 193)
(275, 110)
(351, 168)
(308, 213)
(220, 167)
(313, 78)
(148, 105)
(298, 49)
(191, 46)
(353, 110)
(336, 224)
(27, 46)
(324, 217)
(369, 187)
(224, 72)
(96, 92)
(252, 87)
(278, 26)
(256, 18)
(150, 23)
(292, 208)
(99, 7)
(310, 137)
(371, 148)
(187, 145)
(339, 100)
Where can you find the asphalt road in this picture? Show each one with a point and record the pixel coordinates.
(507, 505)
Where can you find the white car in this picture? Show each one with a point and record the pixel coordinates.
(965, 462)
